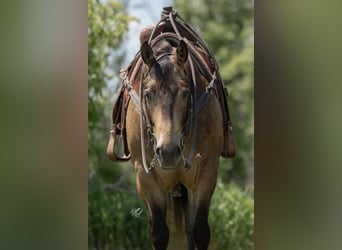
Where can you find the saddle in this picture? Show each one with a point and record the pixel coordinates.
(172, 28)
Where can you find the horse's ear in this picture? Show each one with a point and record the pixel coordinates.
(147, 54)
(182, 52)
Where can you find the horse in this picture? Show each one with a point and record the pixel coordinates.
(173, 121)
(166, 95)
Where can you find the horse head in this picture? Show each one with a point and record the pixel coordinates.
(167, 99)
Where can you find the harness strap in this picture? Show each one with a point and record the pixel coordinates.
(155, 29)
(118, 131)
(142, 137)
(203, 99)
(194, 117)
(135, 98)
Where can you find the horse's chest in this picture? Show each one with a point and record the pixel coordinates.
(167, 179)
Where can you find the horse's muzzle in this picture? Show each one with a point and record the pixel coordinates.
(169, 156)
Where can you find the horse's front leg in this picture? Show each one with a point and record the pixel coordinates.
(159, 229)
(201, 230)
(155, 200)
(197, 226)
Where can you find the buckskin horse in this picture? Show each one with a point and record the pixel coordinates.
(172, 121)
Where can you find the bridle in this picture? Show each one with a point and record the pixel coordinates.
(145, 122)
(195, 104)
(193, 108)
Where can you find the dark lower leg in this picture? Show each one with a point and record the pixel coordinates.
(159, 229)
(188, 230)
(201, 230)
(191, 245)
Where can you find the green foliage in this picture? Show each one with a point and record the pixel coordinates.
(227, 27)
(107, 24)
(111, 224)
(107, 222)
(231, 218)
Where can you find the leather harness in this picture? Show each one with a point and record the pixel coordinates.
(200, 59)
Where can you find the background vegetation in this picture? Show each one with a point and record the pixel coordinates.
(227, 27)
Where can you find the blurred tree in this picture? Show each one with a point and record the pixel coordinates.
(227, 27)
(107, 24)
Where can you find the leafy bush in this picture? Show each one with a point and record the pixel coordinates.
(113, 220)
(118, 220)
(231, 218)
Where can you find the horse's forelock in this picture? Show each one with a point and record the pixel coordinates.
(164, 65)
(162, 47)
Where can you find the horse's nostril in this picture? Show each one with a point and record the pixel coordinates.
(158, 151)
(168, 155)
(168, 151)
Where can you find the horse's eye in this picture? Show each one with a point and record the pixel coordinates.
(147, 95)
